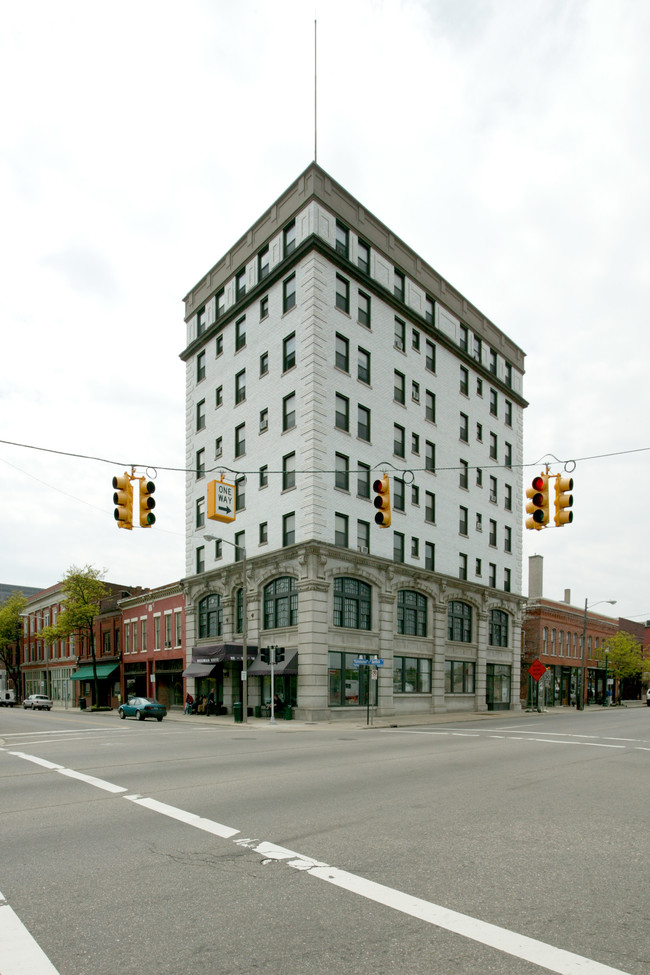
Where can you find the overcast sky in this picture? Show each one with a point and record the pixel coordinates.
(506, 142)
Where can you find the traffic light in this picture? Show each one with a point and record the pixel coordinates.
(537, 507)
(279, 655)
(563, 500)
(123, 499)
(265, 654)
(381, 487)
(147, 503)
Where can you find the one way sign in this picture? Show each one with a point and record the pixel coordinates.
(221, 501)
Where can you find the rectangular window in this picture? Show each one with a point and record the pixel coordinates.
(494, 402)
(342, 413)
(429, 507)
(430, 456)
(218, 447)
(200, 367)
(399, 285)
(507, 539)
(493, 362)
(493, 446)
(429, 310)
(415, 443)
(478, 348)
(463, 339)
(430, 406)
(264, 476)
(415, 340)
(289, 352)
(463, 476)
(341, 530)
(462, 566)
(492, 581)
(363, 366)
(240, 334)
(221, 302)
(200, 463)
(264, 307)
(464, 428)
(430, 356)
(289, 412)
(508, 375)
(240, 494)
(411, 675)
(240, 387)
(398, 547)
(342, 236)
(400, 334)
(264, 533)
(289, 238)
(508, 454)
(459, 677)
(289, 471)
(430, 556)
(288, 529)
(463, 521)
(464, 381)
(507, 500)
(240, 545)
(200, 415)
(363, 423)
(200, 560)
(200, 321)
(342, 353)
(415, 391)
(507, 580)
(398, 498)
(507, 406)
(493, 490)
(264, 419)
(363, 536)
(363, 480)
(399, 387)
(240, 440)
(240, 284)
(493, 533)
(264, 363)
(288, 293)
(342, 293)
(399, 440)
(263, 263)
(342, 472)
(218, 397)
(218, 346)
(363, 310)
(415, 548)
(363, 256)
(200, 513)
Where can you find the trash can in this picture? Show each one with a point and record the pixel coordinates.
(257, 711)
(237, 711)
(82, 703)
(288, 712)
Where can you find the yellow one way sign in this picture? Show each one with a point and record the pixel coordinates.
(221, 501)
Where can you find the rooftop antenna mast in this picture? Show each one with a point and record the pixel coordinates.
(315, 90)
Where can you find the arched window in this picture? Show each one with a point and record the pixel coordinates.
(280, 603)
(498, 628)
(460, 622)
(411, 613)
(210, 616)
(351, 604)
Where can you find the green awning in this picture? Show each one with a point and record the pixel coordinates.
(86, 673)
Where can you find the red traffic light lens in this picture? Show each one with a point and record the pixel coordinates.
(538, 485)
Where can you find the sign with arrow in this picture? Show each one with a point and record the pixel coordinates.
(221, 501)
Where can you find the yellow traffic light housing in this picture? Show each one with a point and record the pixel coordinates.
(563, 500)
(381, 487)
(538, 505)
(147, 503)
(123, 499)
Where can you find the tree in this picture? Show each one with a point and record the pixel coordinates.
(83, 591)
(11, 627)
(624, 655)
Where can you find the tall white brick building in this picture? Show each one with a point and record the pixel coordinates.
(322, 352)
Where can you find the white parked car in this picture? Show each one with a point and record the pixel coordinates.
(37, 702)
(647, 697)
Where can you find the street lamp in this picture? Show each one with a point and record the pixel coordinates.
(580, 697)
(244, 609)
(605, 695)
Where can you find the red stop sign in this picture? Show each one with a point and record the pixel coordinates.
(537, 669)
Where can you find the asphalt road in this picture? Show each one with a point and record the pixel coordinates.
(509, 845)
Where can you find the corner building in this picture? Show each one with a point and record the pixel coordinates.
(322, 352)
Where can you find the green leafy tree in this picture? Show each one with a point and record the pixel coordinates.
(624, 655)
(83, 591)
(11, 627)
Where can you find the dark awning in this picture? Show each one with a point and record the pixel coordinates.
(86, 673)
(220, 653)
(199, 670)
(288, 666)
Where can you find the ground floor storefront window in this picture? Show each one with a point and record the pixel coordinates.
(498, 678)
(459, 676)
(348, 685)
(411, 675)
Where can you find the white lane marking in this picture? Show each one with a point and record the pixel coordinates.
(92, 780)
(537, 952)
(190, 819)
(37, 761)
(21, 955)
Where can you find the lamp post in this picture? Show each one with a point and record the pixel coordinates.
(605, 695)
(244, 612)
(580, 697)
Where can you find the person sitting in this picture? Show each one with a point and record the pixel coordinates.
(278, 706)
(189, 701)
(201, 707)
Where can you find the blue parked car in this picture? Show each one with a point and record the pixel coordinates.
(141, 708)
